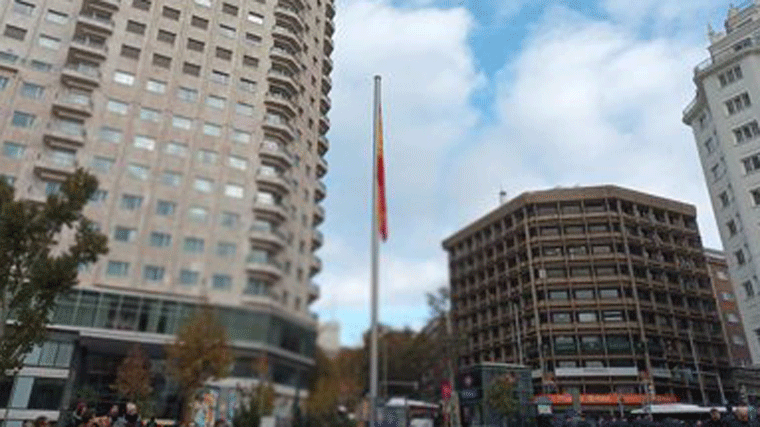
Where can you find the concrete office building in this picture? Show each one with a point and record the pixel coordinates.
(205, 122)
(724, 117)
(599, 290)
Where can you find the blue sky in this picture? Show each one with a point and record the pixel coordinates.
(481, 95)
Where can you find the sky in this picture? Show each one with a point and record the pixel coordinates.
(482, 95)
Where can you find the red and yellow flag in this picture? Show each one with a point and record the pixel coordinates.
(382, 209)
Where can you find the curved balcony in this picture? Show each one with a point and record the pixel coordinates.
(289, 14)
(317, 239)
(324, 124)
(54, 169)
(263, 268)
(316, 265)
(272, 181)
(266, 237)
(329, 27)
(330, 8)
(282, 102)
(320, 191)
(72, 103)
(285, 34)
(321, 167)
(328, 45)
(110, 4)
(92, 21)
(326, 84)
(284, 78)
(289, 57)
(270, 210)
(64, 134)
(323, 145)
(319, 214)
(277, 124)
(88, 47)
(313, 292)
(325, 104)
(79, 74)
(275, 152)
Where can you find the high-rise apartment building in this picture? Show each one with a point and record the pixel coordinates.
(724, 117)
(600, 290)
(205, 122)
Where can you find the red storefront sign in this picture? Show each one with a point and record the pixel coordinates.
(610, 399)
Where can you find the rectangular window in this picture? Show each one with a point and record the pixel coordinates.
(731, 75)
(220, 77)
(99, 196)
(748, 289)
(731, 227)
(255, 18)
(172, 179)
(124, 78)
(240, 137)
(612, 316)
(212, 129)
(136, 27)
(16, 33)
(204, 3)
(111, 135)
(124, 234)
(102, 164)
(176, 149)
(198, 22)
(587, 316)
(150, 114)
(130, 52)
(160, 240)
(4, 82)
(170, 13)
(130, 202)
(227, 31)
(244, 109)
(222, 282)
(609, 293)
(138, 172)
(23, 8)
(180, 122)
(229, 9)
(203, 185)
(155, 86)
(166, 36)
(191, 69)
(216, 102)
(165, 208)
(117, 107)
(162, 61)
(32, 91)
(187, 94)
(724, 200)
(583, 294)
(223, 53)
(207, 157)
(117, 269)
(746, 132)
(247, 85)
(153, 273)
(740, 258)
(234, 191)
(13, 150)
(755, 193)
(49, 42)
(23, 120)
(226, 249)
(198, 214)
(188, 277)
(236, 162)
(229, 220)
(738, 103)
(558, 295)
(254, 39)
(561, 318)
(249, 61)
(751, 163)
(141, 4)
(195, 45)
(57, 17)
(194, 245)
(52, 188)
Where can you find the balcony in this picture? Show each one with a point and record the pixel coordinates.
(283, 77)
(327, 65)
(272, 210)
(321, 167)
(85, 75)
(64, 134)
(325, 104)
(329, 28)
(324, 124)
(285, 34)
(316, 265)
(96, 22)
(323, 145)
(278, 124)
(52, 168)
(109, 4)
(276, 152)
(263, 267)
(289, 57)
(73, 103)
(313, 292)
(320, 191)
(289, 15)
(328, 45)
(282, 102)
(267, 237)
(317, 239)
(319, 214)
(269, 180)
(330, 8)
(9, 61)
(88, 46)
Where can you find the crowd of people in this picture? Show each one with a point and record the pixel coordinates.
(84, 416)
(739, 416)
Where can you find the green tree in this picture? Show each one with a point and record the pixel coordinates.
(199, 353)
(501, 396)
(43, 244)
(259, 403)
(133, 379)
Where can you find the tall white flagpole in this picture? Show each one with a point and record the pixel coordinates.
(375, 253)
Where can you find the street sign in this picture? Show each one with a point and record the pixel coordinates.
(446, 390)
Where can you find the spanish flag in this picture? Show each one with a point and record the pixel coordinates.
(382, 209)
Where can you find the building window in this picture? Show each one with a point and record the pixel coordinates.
(136, 27)
(141, 4)
(220, 77)
(188, 277)
(153, 273)
(102, 164)
(207, 157)
(748, 289)
(187, 94)
(160, 240)
(155, 86)
(738, 103)
(170, 13)
(244, 109)
(194, 245)
(746, 132)
(731, 75)
(32, 91)
(226, 249)
(751, 163)
(99, 196)
(612, 316)
(198, 22)
(130, 52)
(49, 42)
(138, 172)
(238, 163)
(161, 61)
(755, 193)
(203, 185)
(57, 17)
(709, 145)
(13, 150)
(229, 220)
(249, 61)
(117, 269)
(234, 191)
(23, 8)
(738, 340)
(255, 18)
(724, 200)
(241, 137)
(191, 69)
(216, 102)
(166, 36)
(246, 85)
(165, 208)
(561, 318)
(254, 39)
(204, 3)
(23, 120)
(124, 234)
(222, 282)
(4, 82)
(149, 114)
(195, 45)
(117, 107)
(172, 179)
(198, 214)
(223, 53)
(176, 149)
(111, 135)
(181, 122)
(740, 259)
(124, 78)
(256, 287)
(229, 9)
(130, 202)
(15, 33)
(732, 318)
(144, 142)
(227, 31)
(731, 226)
(212, 129)
(587, 316)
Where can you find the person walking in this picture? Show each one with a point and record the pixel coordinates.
(715, 419)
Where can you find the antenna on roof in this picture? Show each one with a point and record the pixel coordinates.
(502, 196)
